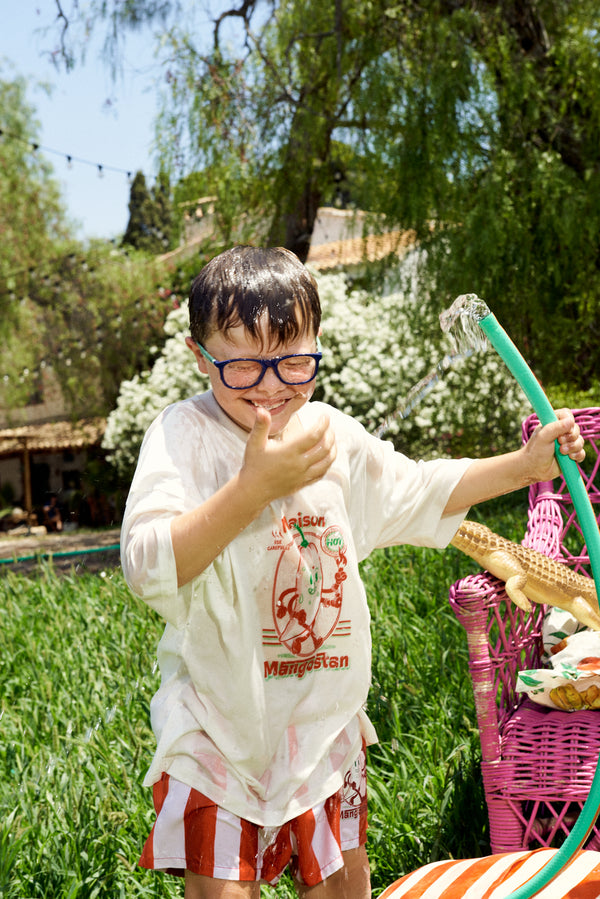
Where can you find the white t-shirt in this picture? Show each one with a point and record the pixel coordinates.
(265, 658)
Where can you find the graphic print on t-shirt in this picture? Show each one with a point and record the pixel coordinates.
(354, 791)
(307, 589)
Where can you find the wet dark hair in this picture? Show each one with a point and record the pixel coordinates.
(239, 285)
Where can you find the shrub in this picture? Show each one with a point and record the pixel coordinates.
(383, 349)
(377, 346)
(172, 377)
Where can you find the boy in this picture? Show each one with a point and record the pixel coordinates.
(248, 515)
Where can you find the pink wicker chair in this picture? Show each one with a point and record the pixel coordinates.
(537, 763)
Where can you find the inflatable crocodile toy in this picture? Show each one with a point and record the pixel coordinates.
(529, 575)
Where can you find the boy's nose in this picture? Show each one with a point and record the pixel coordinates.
(270, 381)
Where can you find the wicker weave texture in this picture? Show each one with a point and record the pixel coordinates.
(537, 763)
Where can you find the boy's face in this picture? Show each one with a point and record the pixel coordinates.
(281, 400)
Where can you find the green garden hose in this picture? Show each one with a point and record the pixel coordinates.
(515, 363)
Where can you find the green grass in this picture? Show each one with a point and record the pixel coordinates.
(76, 675)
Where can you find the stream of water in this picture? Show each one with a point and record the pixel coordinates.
(461, 323)
(420, 390)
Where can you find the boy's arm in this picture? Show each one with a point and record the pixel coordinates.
(533, 462)
(271, 469)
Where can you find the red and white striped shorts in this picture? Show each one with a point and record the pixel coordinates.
(192, 832)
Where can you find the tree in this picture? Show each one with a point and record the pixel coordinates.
(150, 227)
(92, 313)
(260, 121)
(32, 216)
(95, 316)
(165, 213)
(476, 123)
(515, 195)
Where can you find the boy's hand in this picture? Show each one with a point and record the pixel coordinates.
(280, 467)
(536, 461)
(541, 447)
(271, 469)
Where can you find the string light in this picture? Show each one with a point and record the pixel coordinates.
(70, 159)
(73, 258)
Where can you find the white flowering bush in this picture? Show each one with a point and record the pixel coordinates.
(376, 348)
(379, 348)
(174, 376)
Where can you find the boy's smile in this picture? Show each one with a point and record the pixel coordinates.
(281, 400)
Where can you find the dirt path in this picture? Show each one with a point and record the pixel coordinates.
(90, 551)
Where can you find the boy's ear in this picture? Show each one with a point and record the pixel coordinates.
(200, 360)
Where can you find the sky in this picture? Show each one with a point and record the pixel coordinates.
(76, 120)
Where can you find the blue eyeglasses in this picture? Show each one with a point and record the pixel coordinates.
(239, 374)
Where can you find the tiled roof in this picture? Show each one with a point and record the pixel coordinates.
(359, 249)
(56, 436)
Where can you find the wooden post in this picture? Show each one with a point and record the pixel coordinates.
(27, 480)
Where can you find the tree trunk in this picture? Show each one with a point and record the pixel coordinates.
(306, 159)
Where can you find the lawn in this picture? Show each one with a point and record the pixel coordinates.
(77, 672)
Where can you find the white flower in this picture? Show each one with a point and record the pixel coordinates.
(376, 347)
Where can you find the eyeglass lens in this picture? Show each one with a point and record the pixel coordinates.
(290, 370)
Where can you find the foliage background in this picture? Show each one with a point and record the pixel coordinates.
(475, 124)
(377, 346)
(92, 312)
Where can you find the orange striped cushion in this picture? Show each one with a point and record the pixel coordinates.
(497, 876)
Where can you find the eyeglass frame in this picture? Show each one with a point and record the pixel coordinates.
(265, 364)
